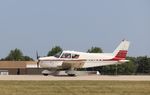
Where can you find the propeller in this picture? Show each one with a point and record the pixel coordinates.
(37, 56)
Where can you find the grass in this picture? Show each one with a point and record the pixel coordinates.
(74, 87)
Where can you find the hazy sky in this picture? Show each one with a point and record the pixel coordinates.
(32, 25)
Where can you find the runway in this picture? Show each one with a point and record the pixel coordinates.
(87, 77)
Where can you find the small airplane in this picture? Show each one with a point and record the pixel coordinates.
(72, 60)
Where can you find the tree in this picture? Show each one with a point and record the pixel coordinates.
(109, 70)
(143, 64)
(128, 68)
(95, 50)
(17, 55)
(27, 58)
(54, 51)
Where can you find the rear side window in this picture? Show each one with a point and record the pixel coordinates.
(75, 56)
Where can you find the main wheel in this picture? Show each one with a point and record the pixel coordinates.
(45, 74)
(71, 74)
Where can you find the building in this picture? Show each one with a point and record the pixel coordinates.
(19, 68)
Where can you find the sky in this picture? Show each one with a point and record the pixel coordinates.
(39, 25)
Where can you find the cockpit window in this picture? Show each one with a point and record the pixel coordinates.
(75, 56)
(58, 54)
(66, 55)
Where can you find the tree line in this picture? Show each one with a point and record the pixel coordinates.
(136, 65)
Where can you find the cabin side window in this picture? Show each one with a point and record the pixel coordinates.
(66, 55)
(75, 56)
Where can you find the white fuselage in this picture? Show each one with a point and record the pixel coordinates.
(87, 60)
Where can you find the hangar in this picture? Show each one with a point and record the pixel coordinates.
(19, 68)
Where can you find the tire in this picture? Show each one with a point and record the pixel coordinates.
(71, 75)
(45, 74)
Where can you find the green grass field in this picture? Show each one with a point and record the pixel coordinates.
(74, 88)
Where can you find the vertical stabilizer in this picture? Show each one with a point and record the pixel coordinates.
(121, 51)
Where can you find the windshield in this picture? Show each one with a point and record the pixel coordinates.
(58, 54)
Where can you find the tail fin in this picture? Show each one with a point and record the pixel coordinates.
(121, 51)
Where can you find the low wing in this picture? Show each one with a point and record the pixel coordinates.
(68, 64)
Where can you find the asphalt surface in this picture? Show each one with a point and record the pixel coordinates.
(87, 77)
